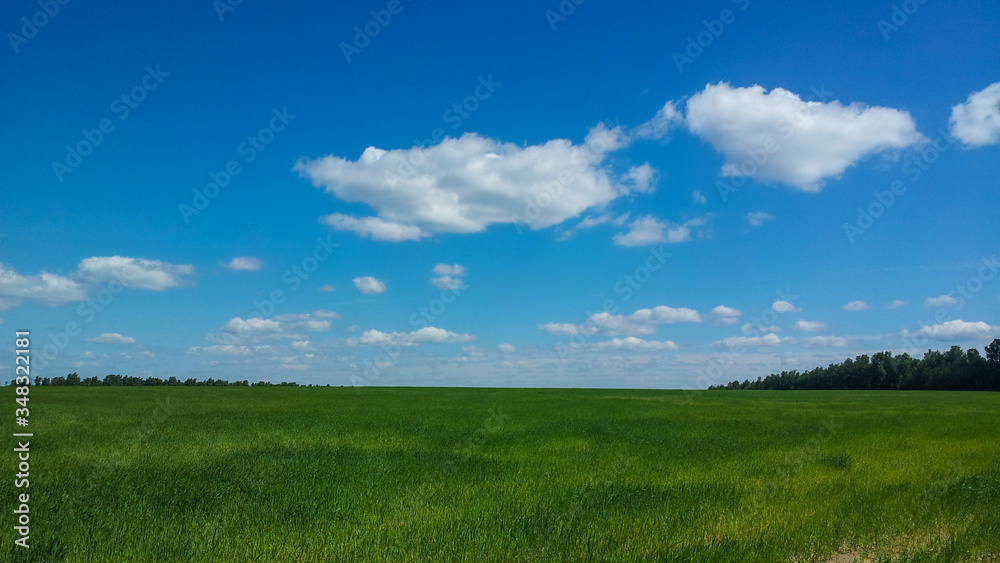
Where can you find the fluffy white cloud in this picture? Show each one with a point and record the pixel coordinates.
(809, 326)
(643, 321)
(748, 328)
(447, 282)
(857, 306)
(977, 122)
(758, 218)
(428, 334)
(650, 230)
(111, 338)
(448, 276)
(50, 289)
(784, 307)
(245, 263)
(230, 350)
(634, 344)
(317, 321)
(770, 339)
(449, 270)
(941, 301)
(374, 227)
(837, 341)
(135, 273)
(507, 348)
(957, 330)
(795, 142)
(327, 288)
(698, 197)
(369, 285)
(896, 304)
(641, 178)
(239, 331)
(252, 326)
(723, 315)
(464, 185)
(667, 118)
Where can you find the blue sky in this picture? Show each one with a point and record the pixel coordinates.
(543, 194)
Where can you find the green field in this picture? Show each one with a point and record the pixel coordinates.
(400, 474)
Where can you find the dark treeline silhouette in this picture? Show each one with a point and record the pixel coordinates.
(118, 380)
(954, 370)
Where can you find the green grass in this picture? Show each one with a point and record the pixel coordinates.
(338, 474)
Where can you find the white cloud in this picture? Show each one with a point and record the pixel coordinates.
(784, 307)
(643, 321)
(447, 282)
(957, 330)
(464, 185)
(837, 341)
(447, 276)
(650, 230)
(941, 301)
(748, 328)
(134, 273)
(282, 327)
(796, 142)
(507, 348)
(641, 178)
(245, 263)
(809, 326)
(977, 122)
(770, 339)
(369, 285)
(665, 119)
(449, 270)
(47, 288)
(374, 227)
(632, 343)
(317, 321)
(230, 350)
(428, 334)
(857, 306)
(111, 338)
(698, 197)
(723, 315)
(758, 218)
(327, 288)
(254, 326)
(897, 303)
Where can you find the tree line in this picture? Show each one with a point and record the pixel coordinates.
(954, 370)
(118, 380)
